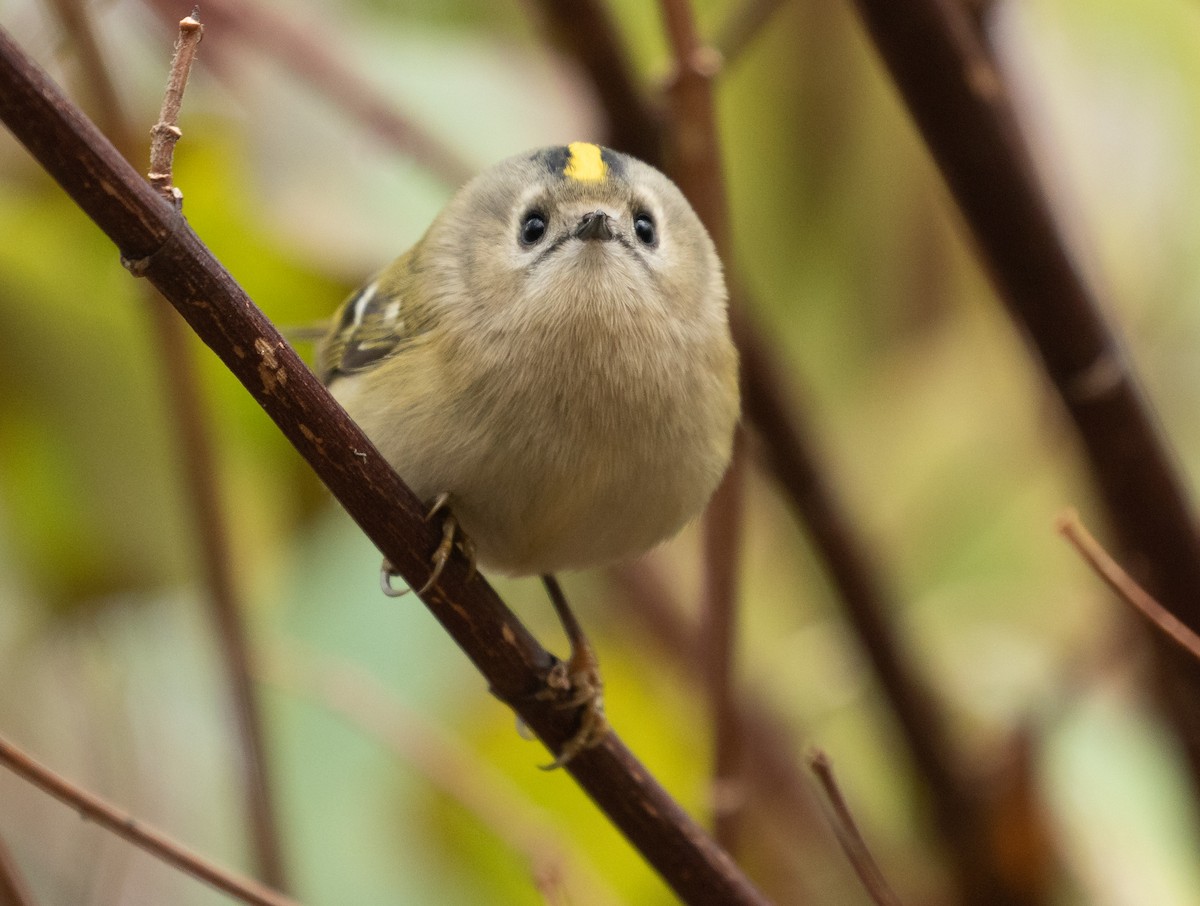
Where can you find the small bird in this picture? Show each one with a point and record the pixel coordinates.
(550, 366)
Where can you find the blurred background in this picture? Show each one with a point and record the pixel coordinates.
(395, 777)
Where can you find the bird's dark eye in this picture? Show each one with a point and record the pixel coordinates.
(643, 228)
(533, 227)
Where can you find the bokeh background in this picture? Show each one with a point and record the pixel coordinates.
(933, 422)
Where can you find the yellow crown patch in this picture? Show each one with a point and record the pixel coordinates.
(585, 163)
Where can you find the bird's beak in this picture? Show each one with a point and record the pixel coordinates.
(594, 225)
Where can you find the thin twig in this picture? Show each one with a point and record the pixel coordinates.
(848, 834)
(304, 52)
(955, 94)
(13, 889)
(149, 839)
(166, 132)
(347, 691)
(1102, 563)
(157, 243)
(190, 424)
(723, 526)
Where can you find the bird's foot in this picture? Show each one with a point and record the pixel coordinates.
(576, 684)
(452, 534)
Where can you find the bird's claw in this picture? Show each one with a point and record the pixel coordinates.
(387, 572)
(577, 685)
(441, 556)
(451, 534)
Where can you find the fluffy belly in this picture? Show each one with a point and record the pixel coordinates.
(611, 504)
(544, 478)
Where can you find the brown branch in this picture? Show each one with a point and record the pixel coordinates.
(957, 98)
(722, 529)
(141, 835)
(848, 834)
(13, 889)
(190, 425)
(961, 814)
(1122, 583)
(157, 243)
(305, 53)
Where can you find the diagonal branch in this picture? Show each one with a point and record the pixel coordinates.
(957, 98)
(155, 241)
(141, 835)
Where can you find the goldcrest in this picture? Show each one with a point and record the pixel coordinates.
(552, 360)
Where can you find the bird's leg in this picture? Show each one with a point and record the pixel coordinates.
(451, 532)
(576, 682)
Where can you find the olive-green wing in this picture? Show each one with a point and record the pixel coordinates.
(378, 321)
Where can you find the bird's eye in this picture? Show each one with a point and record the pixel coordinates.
(643, 228)
(533, 227)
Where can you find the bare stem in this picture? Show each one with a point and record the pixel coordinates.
(848, 834)
(149, 839)
(1102, 563)
(224, 603)
(166, 132)
(304, 53)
